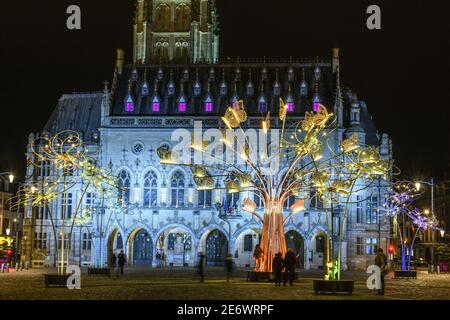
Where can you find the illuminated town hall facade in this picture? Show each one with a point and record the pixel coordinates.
(175, 79)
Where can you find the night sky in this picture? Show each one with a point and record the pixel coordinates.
(402, 71)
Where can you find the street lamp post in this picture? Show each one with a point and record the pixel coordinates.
(431, 184)
(10, 176)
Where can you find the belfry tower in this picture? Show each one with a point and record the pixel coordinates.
(176, 31)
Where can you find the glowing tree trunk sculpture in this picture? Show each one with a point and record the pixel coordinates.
(292, 164)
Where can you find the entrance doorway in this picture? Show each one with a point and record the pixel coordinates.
(142, 248)
(216, 248)
(295, 242)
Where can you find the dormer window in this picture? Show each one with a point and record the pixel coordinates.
(197, 88)
(144, 89)
(238, 75)
(317, 74)
(182, 105)
(185, 75)
(212, 75)
(160, 75)
(290, 74)
(276, 88)
(171, 88)
(129, 104)
(209, 106)
(223, 89)
(262, 105)
(290, 107)
(250, 89)
(303, 89)
(134, 75)
(156, 105)
(316, 103)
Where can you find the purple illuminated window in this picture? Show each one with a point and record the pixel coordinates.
(155, 106)
(316, 104)
(181, 106)
(208, 106)
(129, 104)
(290, 107)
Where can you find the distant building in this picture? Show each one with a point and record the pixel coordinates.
(177, 77)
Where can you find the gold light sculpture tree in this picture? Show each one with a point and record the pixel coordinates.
(72, 169)
(309, 160)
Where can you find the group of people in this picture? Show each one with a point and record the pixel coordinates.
(118, 261)
(228, 263)
(286, 264)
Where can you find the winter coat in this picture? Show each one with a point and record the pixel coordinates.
(278, 264)
(290, 260)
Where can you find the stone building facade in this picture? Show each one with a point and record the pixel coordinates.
(176, 79)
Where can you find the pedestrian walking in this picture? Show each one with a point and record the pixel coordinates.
(158, 259)
(229, 267)
(290, 262)
(201, 267)
(277, 266)
(163, 259)
(121, 261)
(381, 262)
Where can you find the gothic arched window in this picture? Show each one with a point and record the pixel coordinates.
(204, 198)
(129, 104)
(150, 189)
(177, 189)
(183, 17)
(209, 106)
(163, 18)
(182, 105)
(123, 183)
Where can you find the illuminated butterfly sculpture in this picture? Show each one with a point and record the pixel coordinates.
(312, 162)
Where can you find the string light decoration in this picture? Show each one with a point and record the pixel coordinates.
(310, 161)
(399, 206)
(72, 168)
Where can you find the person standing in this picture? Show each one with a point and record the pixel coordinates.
(121, 261)
(229, 267)
(290, 262)
(113, 261)
(381, 262)
(277, 266)
(201, 267)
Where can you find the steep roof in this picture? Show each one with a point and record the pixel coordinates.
(77, 111)
(196, 82)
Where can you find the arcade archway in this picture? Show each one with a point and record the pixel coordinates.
(295, 242)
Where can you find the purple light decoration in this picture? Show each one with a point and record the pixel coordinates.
(290, 107)
(182, 106)
(155, 106)
(208, 106)
(129, 104)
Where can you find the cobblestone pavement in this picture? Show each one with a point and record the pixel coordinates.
(161, 284)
